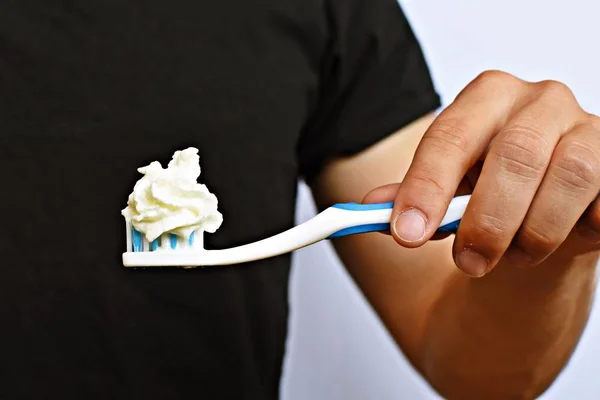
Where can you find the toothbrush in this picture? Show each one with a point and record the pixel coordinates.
(336, 221)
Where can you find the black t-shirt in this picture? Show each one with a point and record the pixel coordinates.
(90, 90)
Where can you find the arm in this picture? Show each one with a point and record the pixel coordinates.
(506, 335)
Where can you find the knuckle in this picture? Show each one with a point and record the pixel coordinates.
(594, 123)
(492, 230)
(494, 77)
(537, 240)
(428, 183)
(554, 89)
(577, 167)
(522, 151)
(497, 84)
(448, 135)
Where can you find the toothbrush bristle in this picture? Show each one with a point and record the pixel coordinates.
(137, 242)
(173, 240)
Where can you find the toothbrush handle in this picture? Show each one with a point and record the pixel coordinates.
(336, 221)
(380, 215)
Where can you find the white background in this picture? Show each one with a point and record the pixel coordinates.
(337, 347)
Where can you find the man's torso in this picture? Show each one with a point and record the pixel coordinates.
(90, 91)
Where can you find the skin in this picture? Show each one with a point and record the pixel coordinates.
(495, 311)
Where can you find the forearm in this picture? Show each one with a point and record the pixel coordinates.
(509, 334)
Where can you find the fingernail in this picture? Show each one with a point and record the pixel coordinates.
(410, 226)
(472, 263)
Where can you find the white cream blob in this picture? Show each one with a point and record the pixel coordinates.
(171, 200)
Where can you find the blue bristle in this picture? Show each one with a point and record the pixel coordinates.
(173, 239)
(137, 241)
(191, 241)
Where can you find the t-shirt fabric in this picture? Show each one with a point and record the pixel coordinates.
(90, 90)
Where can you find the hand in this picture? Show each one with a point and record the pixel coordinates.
(531, 156)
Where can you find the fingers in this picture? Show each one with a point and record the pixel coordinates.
(513, 171)
(570, 185)
(540, 174)
(589, 223)
(452, 144)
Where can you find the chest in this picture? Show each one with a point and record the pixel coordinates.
(151, 68)
(91, 90)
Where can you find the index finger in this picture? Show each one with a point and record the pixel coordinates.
(451, 145)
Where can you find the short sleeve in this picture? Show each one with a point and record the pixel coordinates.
(374, 81)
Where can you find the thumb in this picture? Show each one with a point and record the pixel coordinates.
(387, 193)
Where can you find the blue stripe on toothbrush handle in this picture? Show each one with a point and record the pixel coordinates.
(451, 227)
(353, 230)
(364, 207)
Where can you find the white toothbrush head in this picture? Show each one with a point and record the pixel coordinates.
(166, 245)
